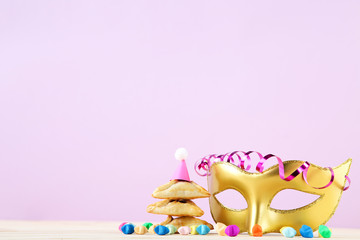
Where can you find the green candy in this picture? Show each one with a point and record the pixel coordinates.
(147, 225)
(172, 229)
(324, 231)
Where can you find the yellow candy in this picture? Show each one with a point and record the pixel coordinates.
(140, 229)
(193, 230)
(151, 229)
(220, 229)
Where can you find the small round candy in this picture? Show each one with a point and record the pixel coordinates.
(222, 232)
(161, 230)
(122, 224)
(193, 229)
(172, 229)
(220, 228)
(324, 231)
(288, 232)
(185, 230)
(128, 228)
(257, 230)
(152, 228)
(232, 230)
(306, 231)
(203, 229)
(147, 225)
(140, 230)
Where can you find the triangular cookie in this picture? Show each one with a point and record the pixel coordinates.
(180, 207)
(176, 189)
(186, 221)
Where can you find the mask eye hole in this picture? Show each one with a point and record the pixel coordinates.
(289, 199)
(232, 199)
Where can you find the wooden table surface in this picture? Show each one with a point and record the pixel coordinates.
(49, 230)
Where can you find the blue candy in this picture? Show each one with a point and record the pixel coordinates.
(161, 230)
(306, 231)
(128, 228)
(203, 229)
(288, 232)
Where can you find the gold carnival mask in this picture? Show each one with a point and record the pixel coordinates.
(259, 189)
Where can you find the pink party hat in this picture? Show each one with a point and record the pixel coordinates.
(181, 172)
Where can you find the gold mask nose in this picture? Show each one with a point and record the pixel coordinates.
(260, 188)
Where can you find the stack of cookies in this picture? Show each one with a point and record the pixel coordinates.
(178, 195)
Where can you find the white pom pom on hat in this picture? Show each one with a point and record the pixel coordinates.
(181, 172)
(181, 154)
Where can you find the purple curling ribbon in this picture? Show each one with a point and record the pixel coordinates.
(348, 179)
(205, 163)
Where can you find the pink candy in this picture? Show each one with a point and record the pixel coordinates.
(185, 230)
(232, 230)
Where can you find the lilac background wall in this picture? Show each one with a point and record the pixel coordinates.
(95, 96)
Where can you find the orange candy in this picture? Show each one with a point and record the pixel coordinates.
(257, 230)
(220, 229)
